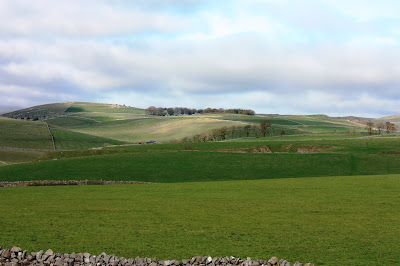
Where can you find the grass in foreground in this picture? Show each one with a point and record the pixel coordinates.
(329, 220)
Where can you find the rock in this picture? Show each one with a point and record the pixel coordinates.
(174, 262)
(86, 255)
(123, 261)
(49, 252)
(297, 264)
(165, 262)
(39, 255)
(50, 259)
(273, 261)
(16, 249)
(44, 257)
(79, 257)
(59, 262)
(215, 260)
(6, 253)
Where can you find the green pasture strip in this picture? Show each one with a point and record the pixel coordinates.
(72, 121)
(348, 145)
(330, 129)
(256, 119)
(26, 141)
(301, 137)
(116, 117)
(24, 134)
(68, 140)
(17, 156)
(317, 120)
(326, 221)
(17, 126)
(192, 166)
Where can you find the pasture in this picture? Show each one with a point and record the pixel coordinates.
(183, 162)
(324, 220)
(325, 192)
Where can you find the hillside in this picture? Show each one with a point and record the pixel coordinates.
(82, 125)
(304, 194)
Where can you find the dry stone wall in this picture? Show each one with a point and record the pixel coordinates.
(16, 256)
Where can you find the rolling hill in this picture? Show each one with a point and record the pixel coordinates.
(323, 192)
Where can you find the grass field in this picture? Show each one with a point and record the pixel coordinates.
(155, 128)
(24, 134)
(68, 140)
(185, 162)
(327, 193)
(17, 156)
(327, 221)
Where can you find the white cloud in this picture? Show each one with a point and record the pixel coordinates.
(239, 57)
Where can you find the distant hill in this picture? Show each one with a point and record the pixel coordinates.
(392, 118)
(47, 111)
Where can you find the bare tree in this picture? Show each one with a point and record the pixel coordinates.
(265, 127)
(233, 128)
(370, 126)
(380, 126)
(255, 130)
(390, 127)
(222, 133)
(247, 130)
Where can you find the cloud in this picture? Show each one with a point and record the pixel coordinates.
(314, 56)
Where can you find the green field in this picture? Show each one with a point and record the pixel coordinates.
(327, 220)
(68, 140)
(225, 161)
(326, 192)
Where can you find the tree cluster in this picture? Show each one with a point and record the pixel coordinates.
(175, 111)
(234, 132)
(390, 127)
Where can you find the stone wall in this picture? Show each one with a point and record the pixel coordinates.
(66, 183)
(16, 256)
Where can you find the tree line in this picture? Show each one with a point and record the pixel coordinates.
(380, 126)
(175, 111)
(235, 132)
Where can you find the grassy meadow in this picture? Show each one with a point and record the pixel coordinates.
(325, 192)
(325, 220)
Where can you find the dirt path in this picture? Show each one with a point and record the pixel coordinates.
(3, 162)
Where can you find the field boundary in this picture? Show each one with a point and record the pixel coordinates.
(52, 138)
(68, 183)
(17, 255)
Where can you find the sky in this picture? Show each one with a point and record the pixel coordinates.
(334, 57)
